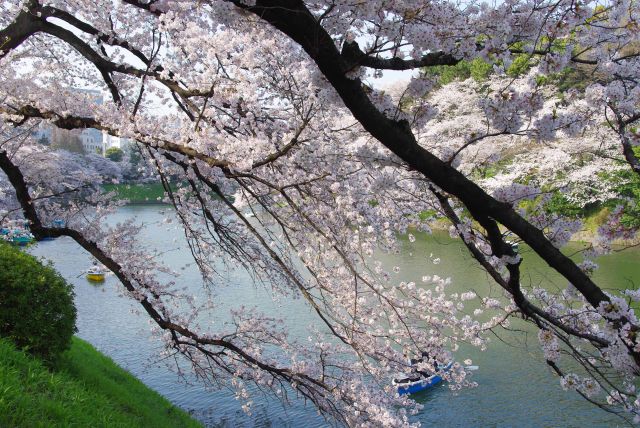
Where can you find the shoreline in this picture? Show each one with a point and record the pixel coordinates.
(86, 388)
(582, 237)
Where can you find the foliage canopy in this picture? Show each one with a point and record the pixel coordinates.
(36, 305)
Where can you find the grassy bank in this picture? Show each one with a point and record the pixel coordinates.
(592, 220)
(87, 389)
(151, 193)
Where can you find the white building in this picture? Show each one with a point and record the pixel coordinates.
(109, 141)
(91, 138)
(92, 141)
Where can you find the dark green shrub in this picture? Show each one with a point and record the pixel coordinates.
(36, 305)
(627, 185)
(478, 69)
(448, 73)
(114, 153)
(520, 65)
(559, 204)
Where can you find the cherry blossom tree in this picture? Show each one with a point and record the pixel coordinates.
(265, 107)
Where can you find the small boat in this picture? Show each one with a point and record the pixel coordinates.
(96, 274)
(16, 232)
(415, 382)
(21, 239)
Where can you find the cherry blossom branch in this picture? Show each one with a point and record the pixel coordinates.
(22, 27)
(294, 19)
(313, 389)
(70, 122)
(623, 132)
(73, 122)
(392, 134)
(353, 55)
(474, 140)
(525, 305)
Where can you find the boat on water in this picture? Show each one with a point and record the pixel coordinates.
(22, 239)
(514, 245)
(418, 381)
(96, 274)
(16, 232)
(17, 236)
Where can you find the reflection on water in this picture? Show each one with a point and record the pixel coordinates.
(515, 386)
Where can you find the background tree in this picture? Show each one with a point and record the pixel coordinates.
(115, 154)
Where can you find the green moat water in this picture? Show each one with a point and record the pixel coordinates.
(516, 388)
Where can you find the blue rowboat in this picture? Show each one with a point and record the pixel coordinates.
(410, 385)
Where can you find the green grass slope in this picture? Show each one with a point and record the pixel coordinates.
(86, 389)
(151, 193)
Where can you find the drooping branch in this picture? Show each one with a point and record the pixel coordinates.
(317, 391)
(509, 284)
(277, 258)
(293, 19)
(71, 122)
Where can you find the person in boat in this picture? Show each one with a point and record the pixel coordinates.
(424, 357)
(417, 374)
(95, 268)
